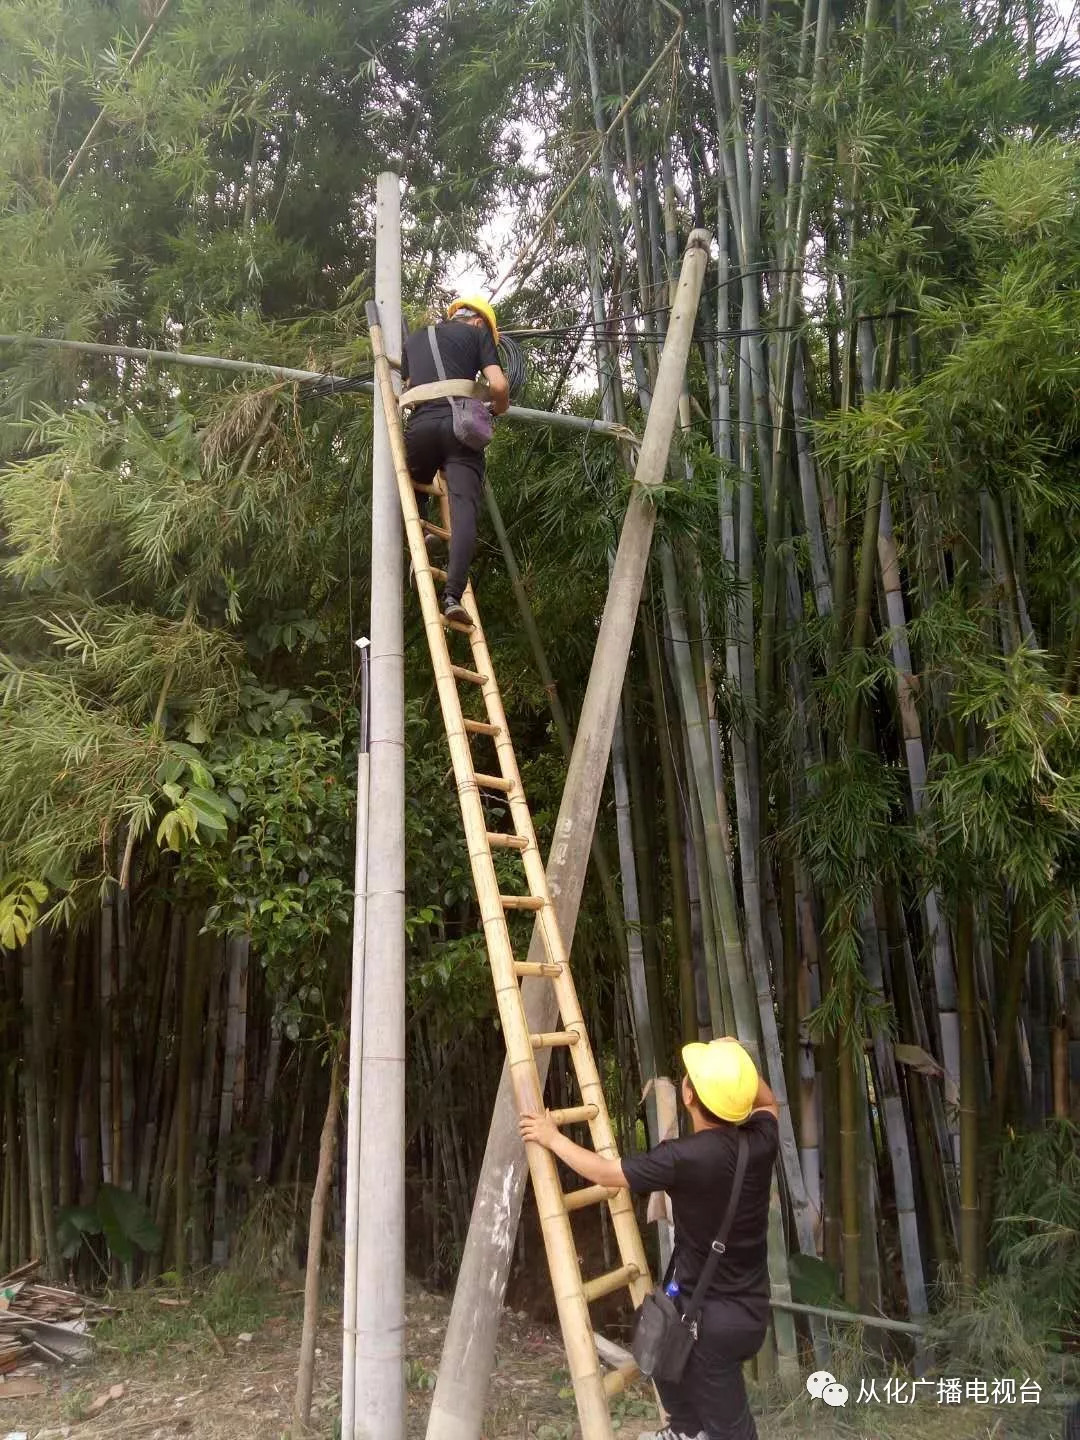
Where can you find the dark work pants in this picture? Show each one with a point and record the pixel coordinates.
(711, 1396)
(429, 446)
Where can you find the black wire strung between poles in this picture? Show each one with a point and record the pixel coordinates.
(626, 322)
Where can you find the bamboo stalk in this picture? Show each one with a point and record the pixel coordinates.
(160, 1056)
(640, 1012)
(848, 1057)
(970, 1216)
(9, 1256)
(915, 755)
(207, 1078)
(41, 1062)
(67, 1080)
(29, 1079)
(305, 1375)
(1005, 1054)
(191, 1005)
(891, 1109)
(644, 862)
(105, 1032)
(680, 900)
(237, 948)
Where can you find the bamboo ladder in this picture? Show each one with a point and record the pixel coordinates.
(573, 1294)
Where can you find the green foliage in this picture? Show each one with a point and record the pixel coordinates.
(19, 907)
(117, 1215)
(851, 839)
(815, 1282)
(1036, 1238)
(1013, 810)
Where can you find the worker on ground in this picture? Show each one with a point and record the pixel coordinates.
(466, 342)
(723, 1094)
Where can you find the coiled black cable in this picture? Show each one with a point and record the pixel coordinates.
(513, 363)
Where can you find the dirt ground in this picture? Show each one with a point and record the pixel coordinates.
(222, 1366)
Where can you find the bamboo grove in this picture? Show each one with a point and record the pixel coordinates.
(844, 819)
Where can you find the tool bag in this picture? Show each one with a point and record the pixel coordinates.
(473, 423)
(664, 1336)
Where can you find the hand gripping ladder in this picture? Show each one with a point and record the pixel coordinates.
(572, 1293)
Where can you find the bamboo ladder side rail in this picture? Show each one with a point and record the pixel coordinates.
(624, 1222)
(572, 1293)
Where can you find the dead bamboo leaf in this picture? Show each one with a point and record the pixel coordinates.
(916, 1058)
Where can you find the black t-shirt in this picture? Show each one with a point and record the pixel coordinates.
(465, 350)
(697, 1171)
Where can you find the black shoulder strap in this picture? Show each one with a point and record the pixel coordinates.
(719, 1245)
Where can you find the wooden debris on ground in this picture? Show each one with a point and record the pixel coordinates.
(43, 1322)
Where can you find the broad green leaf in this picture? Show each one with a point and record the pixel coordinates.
(815, 1282)
(126, 1222)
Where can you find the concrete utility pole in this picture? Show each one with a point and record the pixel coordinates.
(469, 1351)
(379, 1393)
(356, 1050)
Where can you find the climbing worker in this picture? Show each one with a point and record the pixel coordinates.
(724, 1097)
(462, 347)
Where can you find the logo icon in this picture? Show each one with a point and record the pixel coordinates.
(823, 1386)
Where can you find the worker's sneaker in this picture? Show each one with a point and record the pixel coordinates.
(669, 1434)
(454, 610)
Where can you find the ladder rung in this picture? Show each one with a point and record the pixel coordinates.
(523, 902)
(430, 528)
(588, 1195)
(553, 1039)
(494, 782)
(481, 727)
(457, 625)
(428, 489)
(605, 1284)
(616, 1381)
(470, 675)
(533, 967)
(439, 574)
(500, 840)
(574, 1115)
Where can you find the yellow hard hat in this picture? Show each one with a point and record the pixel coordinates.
(724, 1078)
(481, 306)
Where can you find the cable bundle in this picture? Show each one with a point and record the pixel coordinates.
(513, 363)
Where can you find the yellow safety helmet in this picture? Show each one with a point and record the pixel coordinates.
(481, 306)
(724, 1078)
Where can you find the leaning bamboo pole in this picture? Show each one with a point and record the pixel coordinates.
(599, 429)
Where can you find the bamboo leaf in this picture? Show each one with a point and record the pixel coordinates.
(918, 1059)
